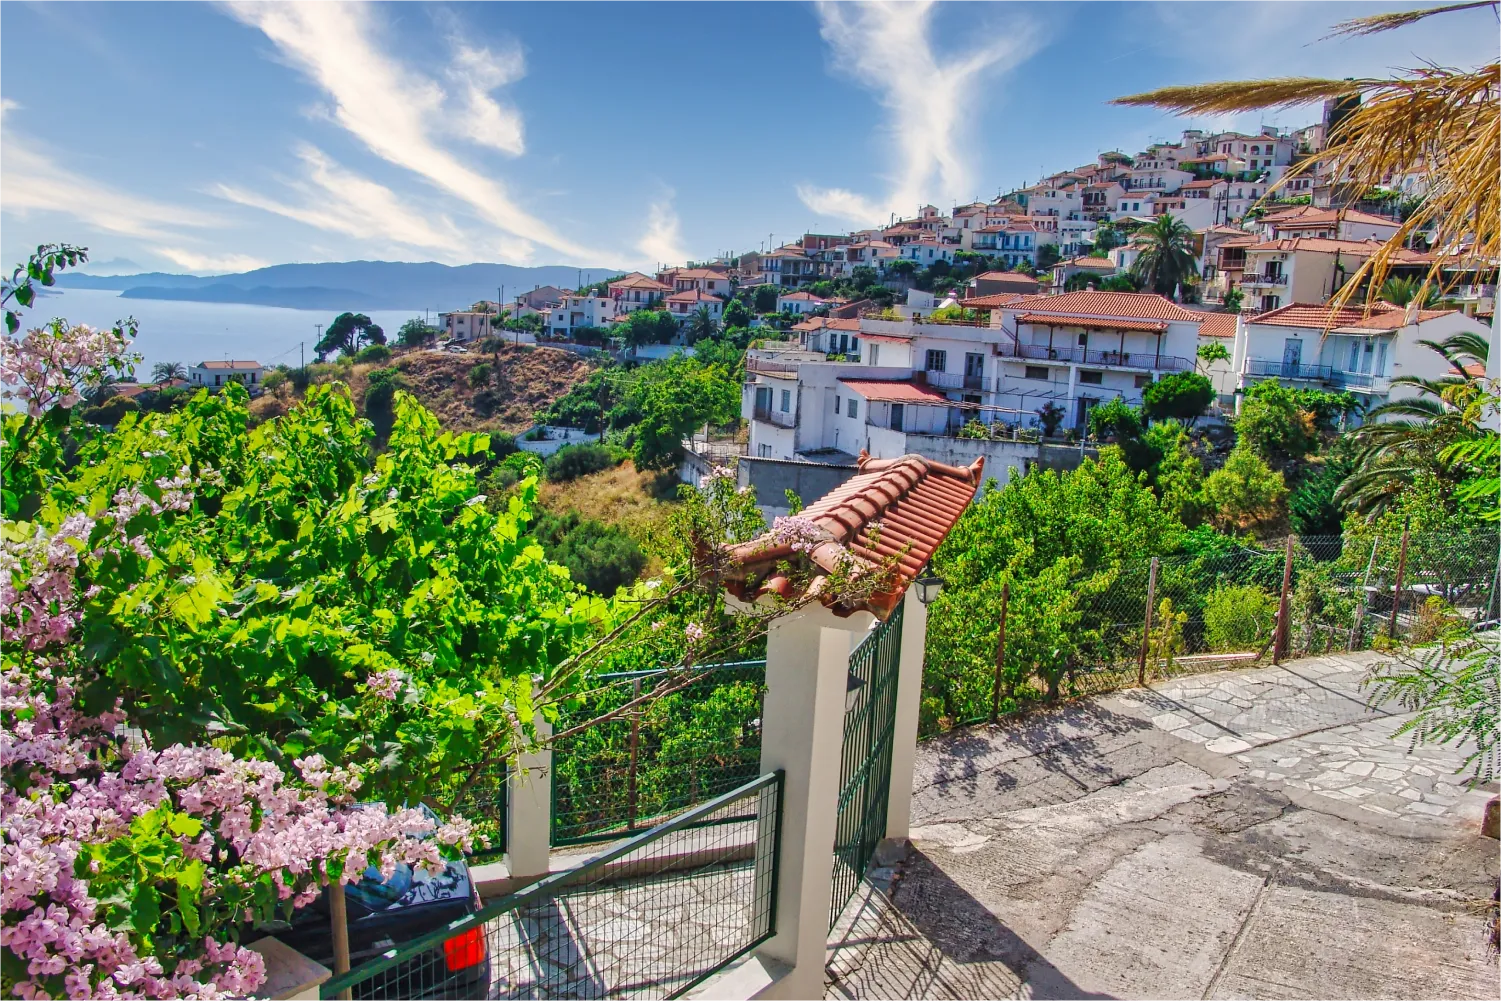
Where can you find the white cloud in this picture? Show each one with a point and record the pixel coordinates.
(889, 48)
(33, 182)
(663, 240)
(339, 201)
(399, 113)
(475, 73)
(6, 104)
(214, 264)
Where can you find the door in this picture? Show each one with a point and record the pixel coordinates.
(763, 402)
(1292, 357)
(898, 416)
(1081, 416)
(974, 369)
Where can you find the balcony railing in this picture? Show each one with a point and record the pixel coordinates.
(781, 418)
(953, 380)
(1263, 279)
(1091, 356)
(771, 367)
(1274, 368)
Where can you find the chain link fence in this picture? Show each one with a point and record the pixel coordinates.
(1236, 607)
(683, 747)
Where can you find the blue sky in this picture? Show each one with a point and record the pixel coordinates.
(211, 138)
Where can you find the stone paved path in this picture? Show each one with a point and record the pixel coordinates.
(1251, 833)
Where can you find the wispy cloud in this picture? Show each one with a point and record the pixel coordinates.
(339, 201)
(663, 239)
(889, 48)
(217, 264)
(401, 114)
(35, 182)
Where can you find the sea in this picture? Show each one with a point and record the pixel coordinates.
(190, 332)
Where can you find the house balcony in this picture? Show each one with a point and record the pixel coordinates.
(1276, 368)
(779, 418)
(953, 380)
(1270, 280)
(1139, 361)
(1361, 382)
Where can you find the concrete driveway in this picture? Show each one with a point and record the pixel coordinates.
(1245, 834)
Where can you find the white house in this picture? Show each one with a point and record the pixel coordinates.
(682, 305)
(468, 324)
(1316, 345)
(215, 374)
(799, 303)
(1134, 202)
(926, 252)
(637, 291)
(701, 279)
(577, 311)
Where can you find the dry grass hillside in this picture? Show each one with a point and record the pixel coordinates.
(522, 381)
(639, 503)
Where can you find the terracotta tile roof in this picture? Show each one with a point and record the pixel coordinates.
(826, 323)
(229, 366)
(997, 300)
(1204, 184)
(895, 391)
(892, 509)
(1092, 263)
(1151, 326)
(802, 297)
(1136, 305)
(1314, 217)
(1318, 317)
(1217, 325)
(697, 273)
(1005, 276)
(1362, 248)
(885, 338)
(694, 295)
(641, 282)
(1393, 319)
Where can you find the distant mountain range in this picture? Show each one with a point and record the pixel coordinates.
(354, 285)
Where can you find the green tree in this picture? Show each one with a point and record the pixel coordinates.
(572, 461)
(1107, 238)
(1273, 425)
(1115, 420)
(1208, 354)
(1245, 494)
(1167, 256)
(1182, 396)
(1233, 300)
(480, 375)
(647, 326)
(766, 299)
(415, 333)
(166, 371)
(1047, 256)
(1176, 474)
(1401, 291)
(701, 325)
(736, 314)
(601, 557)
(347, 332)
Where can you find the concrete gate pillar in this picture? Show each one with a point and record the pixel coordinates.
(908, 703)
(529, 811)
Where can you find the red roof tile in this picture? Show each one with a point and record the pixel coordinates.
(694, 295)
(895, 391)
(896, 510)
(996, 300)
(1318, 317)
(1217, 325)
(1392, 319)
(641, 281)
(1137, 305)
(1152, 326)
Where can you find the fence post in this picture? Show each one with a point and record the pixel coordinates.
(630, 775)
(1391, 626)
(1146, 626)
(1495, 581)
(1279, 641)
(1358, 630)
(1000, 656)
(908, 706)
(529, 810)
(802, 732)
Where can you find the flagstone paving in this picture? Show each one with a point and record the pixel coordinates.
(1241, 834)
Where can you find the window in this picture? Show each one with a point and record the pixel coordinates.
(854, 407)
(1143, 381)
(1091, 378)
(836, 405)
(875, 354)
(1036, 372)
(786, 405)
(764, 451)
(1083, 340)
(936, 361)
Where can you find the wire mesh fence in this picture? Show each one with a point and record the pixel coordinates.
(1229, 607)
(699, 738)
(483, 803)
(652, 917)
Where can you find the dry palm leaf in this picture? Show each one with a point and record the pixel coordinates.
(1432, 119)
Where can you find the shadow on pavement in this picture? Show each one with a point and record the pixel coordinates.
(931, 939)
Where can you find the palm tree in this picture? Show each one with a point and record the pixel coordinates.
(1444, 121)
(164, 371)
(1167, 257)
(1419, 434)
(701, 325)
(1401, 291)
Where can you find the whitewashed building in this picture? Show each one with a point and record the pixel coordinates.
(215, 375)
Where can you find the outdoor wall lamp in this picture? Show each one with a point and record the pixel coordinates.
(853, 686)
(928, 588)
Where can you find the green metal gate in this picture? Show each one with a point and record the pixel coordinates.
(865, 763)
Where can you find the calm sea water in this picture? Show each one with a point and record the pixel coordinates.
(191, 332)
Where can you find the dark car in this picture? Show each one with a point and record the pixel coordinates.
(386, 913)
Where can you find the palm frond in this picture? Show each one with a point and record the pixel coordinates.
(1223, 98)
(1357, 26)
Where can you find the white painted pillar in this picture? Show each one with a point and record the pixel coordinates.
(529, 811)
(802, 731)
(908, 702)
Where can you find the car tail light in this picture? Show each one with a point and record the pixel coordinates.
(465, 949)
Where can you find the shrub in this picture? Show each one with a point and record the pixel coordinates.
(1182, 396)
(1238, 617)
(601, 557)
(1272, 424)
(1116, 420)
(373, 353)
(1245, 494)
(1051, 415)
(572, 461)
(479, 375)
(274, 380)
